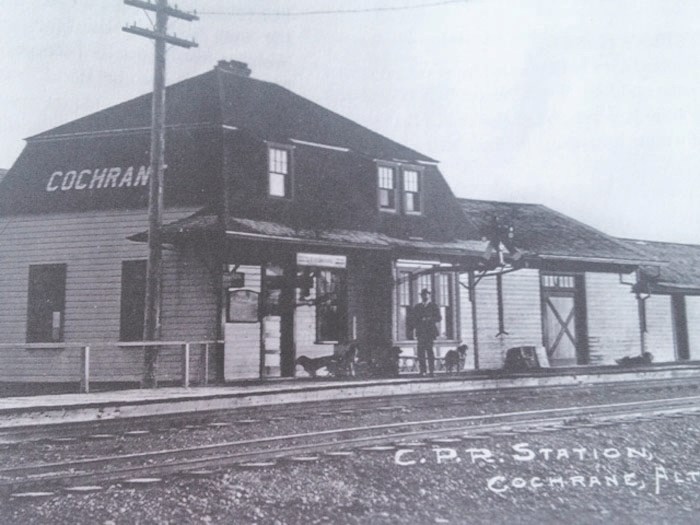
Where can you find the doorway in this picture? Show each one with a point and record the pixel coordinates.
(680, 327)
(563, 319)
(277, 326)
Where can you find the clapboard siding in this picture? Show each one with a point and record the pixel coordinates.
(189, 298)
(242, 340)
(93, 246)
(659, 337)
(692, 310)
(466, 332)
(521, 311)
(613, 319)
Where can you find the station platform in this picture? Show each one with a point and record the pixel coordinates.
(56, 409)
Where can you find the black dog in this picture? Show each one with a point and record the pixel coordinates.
(640, 360)
(312, 365)
(455, 359)
(338, 365)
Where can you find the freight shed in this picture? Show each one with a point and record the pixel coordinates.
(580, 293)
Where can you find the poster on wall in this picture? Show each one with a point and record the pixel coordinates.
(242, 306)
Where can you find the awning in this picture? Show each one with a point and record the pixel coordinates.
(253, 230)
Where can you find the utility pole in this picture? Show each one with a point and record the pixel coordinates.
(152, 325)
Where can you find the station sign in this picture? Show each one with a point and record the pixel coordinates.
(322, 260)
(95, 172)
(100, 178)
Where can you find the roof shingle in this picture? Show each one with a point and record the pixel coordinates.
(682, 269)
(544, 232)
(265, 109)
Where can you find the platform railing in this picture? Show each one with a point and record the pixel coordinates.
(82, 353)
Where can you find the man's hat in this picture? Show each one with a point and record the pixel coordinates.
(425, 291)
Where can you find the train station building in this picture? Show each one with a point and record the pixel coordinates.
(291, 230)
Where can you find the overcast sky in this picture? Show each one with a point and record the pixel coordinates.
(588, 106)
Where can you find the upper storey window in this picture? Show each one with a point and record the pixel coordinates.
(387, 188)
(399, 189)
(411, 191)
(279, 172)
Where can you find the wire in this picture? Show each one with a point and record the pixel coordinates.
(149, 18)
(333, 11)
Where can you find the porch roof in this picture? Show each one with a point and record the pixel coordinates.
(681, 273)
(205, 221)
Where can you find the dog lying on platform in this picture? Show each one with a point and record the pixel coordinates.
(455, 359)
(312, 365)
(640, 360)
(338, 365)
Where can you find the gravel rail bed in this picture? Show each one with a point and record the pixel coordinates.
(603, 482)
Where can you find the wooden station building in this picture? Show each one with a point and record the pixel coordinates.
(289, 230)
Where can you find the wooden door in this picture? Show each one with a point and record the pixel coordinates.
(564, 319)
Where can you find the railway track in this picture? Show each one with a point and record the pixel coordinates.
(88, 472)
(77, 431)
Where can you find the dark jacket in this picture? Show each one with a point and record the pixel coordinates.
(424, 319)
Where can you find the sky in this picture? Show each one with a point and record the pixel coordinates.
(587, 106)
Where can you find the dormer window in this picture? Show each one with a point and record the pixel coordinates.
(412, 191)
(279, 172)
(387, 188)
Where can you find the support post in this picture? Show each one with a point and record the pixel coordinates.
(206, 364)
(475, 333)
(85, 370)
(186, 366)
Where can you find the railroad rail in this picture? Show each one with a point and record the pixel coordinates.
(26, 435)
(247, 453)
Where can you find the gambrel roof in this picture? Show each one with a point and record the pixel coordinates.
(223, 96)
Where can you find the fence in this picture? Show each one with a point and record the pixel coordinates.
(181, 362)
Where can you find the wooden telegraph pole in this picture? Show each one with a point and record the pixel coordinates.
(152, 325)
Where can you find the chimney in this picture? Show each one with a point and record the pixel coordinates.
(234, 66)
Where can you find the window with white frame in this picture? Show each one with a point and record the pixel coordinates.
(441, 285)
(279, 172)
(386, 188)
(444, 299)
(411, 191)
(405, 303)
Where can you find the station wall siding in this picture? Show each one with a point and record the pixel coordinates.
(465, 321)
(242, 340)
(521, 316)
(659, 339)
(692, 310)
(93, 246)
(613, 318)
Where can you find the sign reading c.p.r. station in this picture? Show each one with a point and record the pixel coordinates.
(99, 178)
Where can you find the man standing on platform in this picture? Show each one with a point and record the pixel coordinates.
(425, 316)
